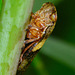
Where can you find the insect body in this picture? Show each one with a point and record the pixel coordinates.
(41, 25)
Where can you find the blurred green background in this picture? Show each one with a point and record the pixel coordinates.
(57, 56)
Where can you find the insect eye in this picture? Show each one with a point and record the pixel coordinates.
(53, 17)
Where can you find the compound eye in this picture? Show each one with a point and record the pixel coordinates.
(53, 17)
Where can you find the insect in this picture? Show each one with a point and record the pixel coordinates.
(40, 27)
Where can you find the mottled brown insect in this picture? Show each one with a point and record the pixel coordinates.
(41, 25)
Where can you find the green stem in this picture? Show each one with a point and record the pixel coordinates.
(14, 15)
(0, 5)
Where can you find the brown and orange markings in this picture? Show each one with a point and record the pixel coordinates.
(40, 27)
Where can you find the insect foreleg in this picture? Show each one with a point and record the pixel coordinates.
(30, 40)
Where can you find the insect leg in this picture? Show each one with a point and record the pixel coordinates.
(30, 40)
(24, 52)
(32, 15)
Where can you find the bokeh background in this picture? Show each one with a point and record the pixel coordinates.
(57, 56)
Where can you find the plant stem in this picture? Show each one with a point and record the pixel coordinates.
(13, 18)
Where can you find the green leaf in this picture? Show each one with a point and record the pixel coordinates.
(39, 66)
(38, 4)
(61, 51)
